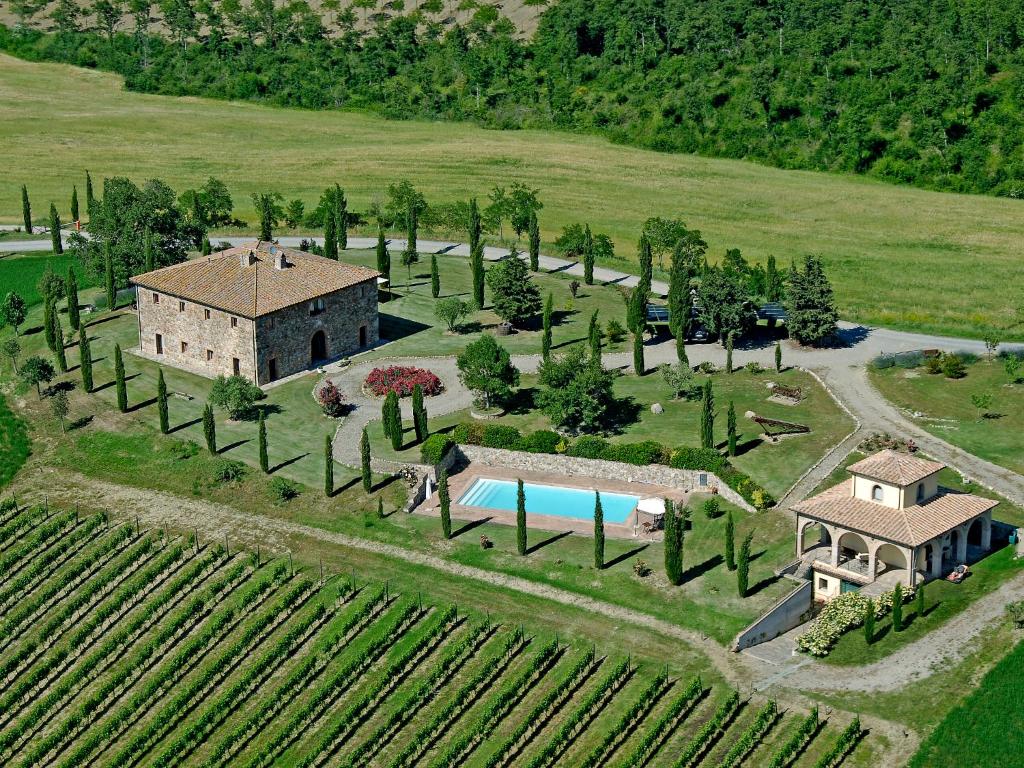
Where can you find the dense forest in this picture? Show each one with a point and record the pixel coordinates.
(926, 92)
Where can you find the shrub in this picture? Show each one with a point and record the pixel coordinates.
(754, 367)
(502, 436)
(614, 332)
(435, 448)
(641, 454)
(236, 395)
(712, 508)
(909, 359)
(953, 367)
(706, 367)
(933, 364)
(331, 400)
(641, 569)
(184, 449)
(282, 489)
(881, 362)
(471, 433)
(588, 447)
(966, 357)
(228, 471)
(401, 379)
(700, 459)
(542, 441)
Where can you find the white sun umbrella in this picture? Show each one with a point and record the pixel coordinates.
(651, 506)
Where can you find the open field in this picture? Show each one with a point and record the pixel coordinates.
(221, 659)
(21, 273)
(877, 240)
(14, 443)
(944, 407)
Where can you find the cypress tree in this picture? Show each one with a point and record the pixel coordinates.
(385, 415)
(707, 416)
(743, 568)
(392, 417)
(56, 244)
(26, 209)
(364, 461)
(341, 217)
(534, 233)
(897, 608)
(594, 336)
(210, 429)
(90, 198)
(71, 290)
(679, 302)
(730, 542)
(588, 256)
(49, 328)
(148, 253)
(328, 467)
(520, 518)
(383, 257)
(58, 349)
(85, 357)
(330, 230)
(475, 225)
(380, 507)
(205, 249)
(545, 339)
(919, 601)
(772, 281)
(419, 414)
(731, 427)
(264, 454)
(598, 532)
(675, 530)
(476, 263)
(869, 622)
(74, 203)
(119, 380)
(778, 356)
(639, 367)
(412, 226)
(728, 353)
(108, 264)
(161, 403)
(445, 501)
(435, 277)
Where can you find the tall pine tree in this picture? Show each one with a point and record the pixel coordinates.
(364, 461)
(55, 241)
(730, 542)
(85, 358)
(598, 531)
(594, 336)
(412, 226)
(383, 257)
(26, 210)
(728, 352)
(120, 383)
(90, 197)
(148, 251)
(743, 567)
(328, 467)
(445, 503)
(161, 403)
(707, 416)
(474, 225)
(71, 291)
(74, 203)
(730, 421)
(341, 217)
(897, 608)
(49, 325)
(262, 436)
(812, 317)
(588, 256)
(330, 228)
(534, 232)
(520, 518)
(210, 429)
(639, 366)
(435, 277)
(673, 544)
(778, 356)
(419, 414)
(679, 301)
(58, 336)
(545, 339)
(476, 264)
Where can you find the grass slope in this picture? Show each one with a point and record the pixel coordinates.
(877, 240)
(14, 443)
(21, 273)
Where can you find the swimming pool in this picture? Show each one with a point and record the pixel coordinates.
(548, 500)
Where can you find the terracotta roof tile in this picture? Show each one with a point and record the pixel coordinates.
(898, 468)
(910, 526)
(257, 287)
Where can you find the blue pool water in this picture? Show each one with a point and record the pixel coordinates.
(548, 500)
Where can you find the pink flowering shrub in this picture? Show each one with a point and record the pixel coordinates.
(401, 379)
(331, 400)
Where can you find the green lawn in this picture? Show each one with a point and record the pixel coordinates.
(984, 729)
(875, 238)
(21, 273)
(947, 410)
(775, 465)
(14, 443)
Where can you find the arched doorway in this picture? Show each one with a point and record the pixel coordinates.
(318, 347)
(974, 533)
(813, 534)
(891, 557)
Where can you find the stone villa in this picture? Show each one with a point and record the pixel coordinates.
(257, 310)
(889, 522)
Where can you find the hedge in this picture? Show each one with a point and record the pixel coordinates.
(435, 448)
(640, 454)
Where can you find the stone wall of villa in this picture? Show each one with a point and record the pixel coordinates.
(652, 474)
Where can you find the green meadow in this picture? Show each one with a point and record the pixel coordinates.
(899, 257)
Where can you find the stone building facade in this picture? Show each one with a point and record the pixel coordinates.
(257, 310)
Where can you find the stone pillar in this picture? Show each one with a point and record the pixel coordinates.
(912, 562)
(936, 569)
(872, 561)
(836, 534)
(986, 531)
(799, 537)
(961, 544)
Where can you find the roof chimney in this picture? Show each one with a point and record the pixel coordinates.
(247, 258)
(280, 262)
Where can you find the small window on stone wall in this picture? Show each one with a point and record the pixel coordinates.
(822, 583)
(234, 322)
(876, 493)
(206, 314)
(156, 298)
(181, 306)
(209, 355)
(184, 347)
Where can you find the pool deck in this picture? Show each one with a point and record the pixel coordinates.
(631, 529)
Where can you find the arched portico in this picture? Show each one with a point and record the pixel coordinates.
(811, 534)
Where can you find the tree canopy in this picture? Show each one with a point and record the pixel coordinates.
(486, 369)
(810, 303)
(578, 391)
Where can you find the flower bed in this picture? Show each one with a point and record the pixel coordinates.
(401, 379)
(839, 616)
